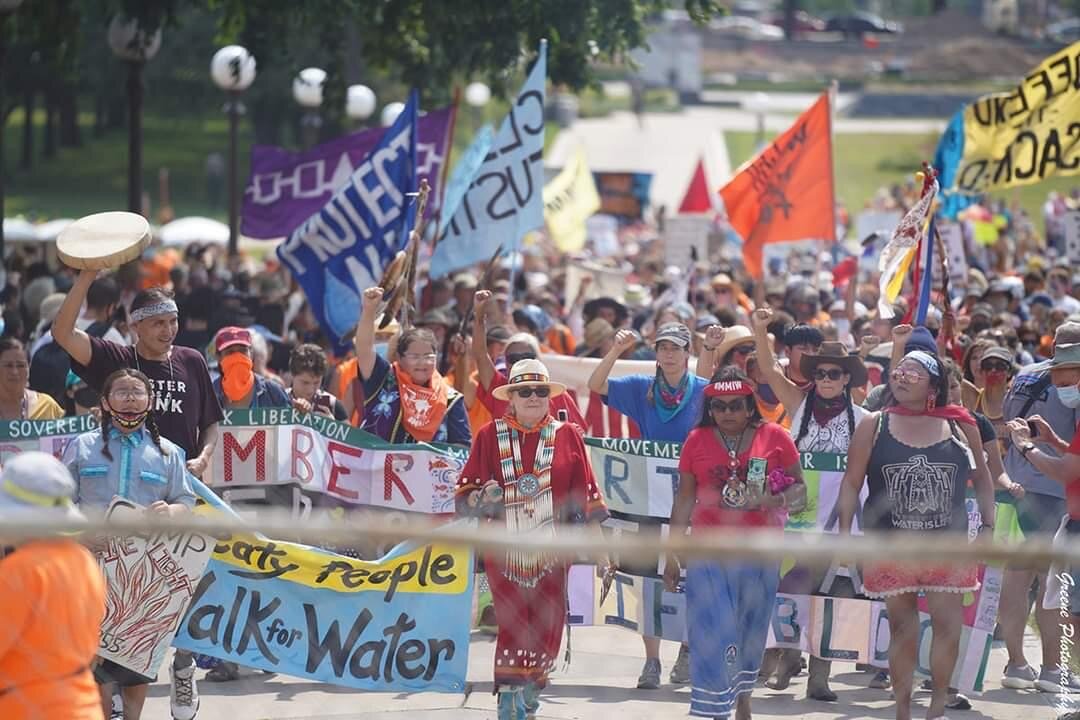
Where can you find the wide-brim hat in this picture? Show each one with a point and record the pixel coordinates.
(835, 353)
(528, 373)
(36, 485)
(1065, 357)
(734, 335)
(592, 307)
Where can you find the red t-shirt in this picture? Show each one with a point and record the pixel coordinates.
(1072, 490)
(706, 458)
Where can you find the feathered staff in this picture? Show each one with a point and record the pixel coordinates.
(403, 268)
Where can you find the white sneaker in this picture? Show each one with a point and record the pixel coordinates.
(1019, 678)
(183, 693)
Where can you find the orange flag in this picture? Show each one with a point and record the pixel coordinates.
(697, 195)
(786, 192)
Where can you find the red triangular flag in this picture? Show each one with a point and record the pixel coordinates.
(786, 192)
(697, 195)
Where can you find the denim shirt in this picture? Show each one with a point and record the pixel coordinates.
(138, 471)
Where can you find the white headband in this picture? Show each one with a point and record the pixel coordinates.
(167, 307)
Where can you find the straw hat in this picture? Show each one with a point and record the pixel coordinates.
(528, 373)
(734, 335)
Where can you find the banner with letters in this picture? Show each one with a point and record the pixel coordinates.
(343, 248)
(398, 623)
(569, 199)
(1019, 137)
(285, 188)
(149, 580)
(505, 199)
(639, 479)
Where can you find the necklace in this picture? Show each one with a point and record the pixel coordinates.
(732, 445)
(168, 361)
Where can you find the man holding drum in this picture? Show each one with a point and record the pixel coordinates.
(184, 403)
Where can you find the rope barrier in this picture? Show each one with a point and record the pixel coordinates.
(574, 542)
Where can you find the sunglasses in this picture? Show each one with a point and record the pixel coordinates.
(722, 407)
(540, 392)
(744, 349)
(995, 366)
(833, 374)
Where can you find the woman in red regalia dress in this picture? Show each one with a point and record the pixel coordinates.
(532, 473)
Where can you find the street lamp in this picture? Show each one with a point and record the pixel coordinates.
(390, 113)
(307, 90)
(477, 95)
(6, 8)
(134, 46)
(233, 70)
(359, 103)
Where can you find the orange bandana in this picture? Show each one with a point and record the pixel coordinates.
(422, 408)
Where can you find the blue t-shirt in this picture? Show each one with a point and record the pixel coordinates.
(628, 395)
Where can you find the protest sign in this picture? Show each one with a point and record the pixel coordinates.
(47, 436)
(286, 188)
(505, 199)
(342, 249)
(1070, 227)
(149, 581)
(623, 194)
(606, 281)
(1027, 134)
(952, 236)
(876, 221)
(398, 623)
(686, 240)
(569, 199)
(603, 232)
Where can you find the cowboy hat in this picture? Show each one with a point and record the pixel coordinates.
(528, 373)
(734, 335)
(835, 353)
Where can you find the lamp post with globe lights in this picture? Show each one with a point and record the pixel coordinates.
(233, 70)
(6, 8)
(307, 90)
(390, 113)
(134, 46)
(360, 103)
(477, 95)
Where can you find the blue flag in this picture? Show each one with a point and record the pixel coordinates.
(343, 249)
(505, 200)
(464, 172)
(950, 151)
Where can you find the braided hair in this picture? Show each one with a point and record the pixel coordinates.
(106, 416)
(808, 410)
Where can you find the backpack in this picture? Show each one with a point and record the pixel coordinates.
(51, 364)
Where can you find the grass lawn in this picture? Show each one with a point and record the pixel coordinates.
(865, 162)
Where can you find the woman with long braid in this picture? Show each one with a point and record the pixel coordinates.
(824, 419)
(128, 458)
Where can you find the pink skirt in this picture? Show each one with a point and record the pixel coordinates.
(888, 579)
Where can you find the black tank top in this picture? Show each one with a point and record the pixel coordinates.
(916, 488)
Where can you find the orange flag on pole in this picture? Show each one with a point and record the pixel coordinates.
(786, 193)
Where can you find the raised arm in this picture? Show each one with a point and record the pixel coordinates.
(485, 368)
(73, 340)
(900, 335)
(365, 332)
(598, 381)
(790, 396)
(706, 362)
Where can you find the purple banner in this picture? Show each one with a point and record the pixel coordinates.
(286, 188)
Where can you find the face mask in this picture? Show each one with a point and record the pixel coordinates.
(382, 350)
(996, 377)
(1069, 396)
(237, 377)
(129, 421)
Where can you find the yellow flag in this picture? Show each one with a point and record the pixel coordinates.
(1027, 134)
(569, 199)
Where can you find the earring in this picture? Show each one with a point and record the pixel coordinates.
(931, 402)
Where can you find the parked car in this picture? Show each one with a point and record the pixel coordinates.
(1065, 32)
(804, 22)
(859, 24)
(746, 28)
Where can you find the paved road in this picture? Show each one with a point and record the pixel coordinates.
(601, 679)
(669, 144)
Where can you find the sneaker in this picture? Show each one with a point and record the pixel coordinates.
(117, 707)
(880, 681)
(650, 675)
(1018, 677)
(1074, 715)
(1050, 682)
(680, 674)
(183, 693)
